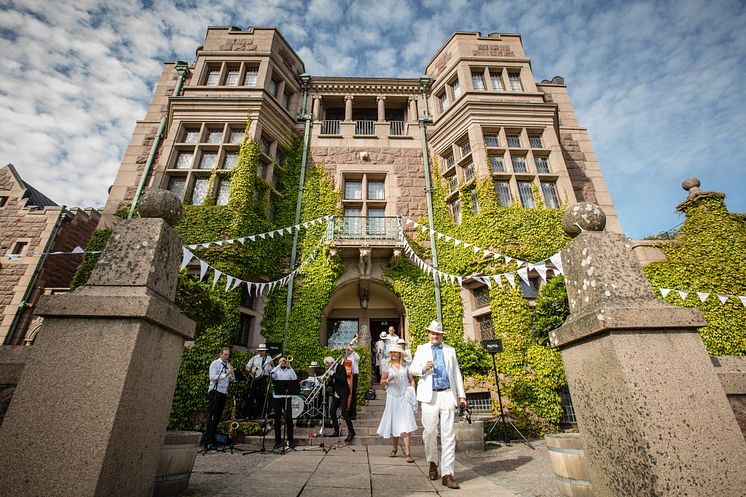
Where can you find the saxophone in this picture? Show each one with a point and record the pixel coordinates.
(234, 424)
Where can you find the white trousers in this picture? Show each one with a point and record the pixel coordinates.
(442, 408)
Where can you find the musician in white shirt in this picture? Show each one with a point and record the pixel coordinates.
(221, 374)
(259, 367)
(283, 372)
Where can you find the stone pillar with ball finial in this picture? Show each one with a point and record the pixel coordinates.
(651, 411)
(88, 416)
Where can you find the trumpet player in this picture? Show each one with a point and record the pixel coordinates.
(221, 374)
(259, 367)
(281, 403)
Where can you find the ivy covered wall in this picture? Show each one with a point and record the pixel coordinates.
(707, 255)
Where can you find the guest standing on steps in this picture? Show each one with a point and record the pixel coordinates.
(440, 390)
(398, 416)
(341, 392)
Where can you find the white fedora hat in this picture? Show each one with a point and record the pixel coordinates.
(383, 334)
(395, 348)
(262, 346)
(435, 327)
(401, 341)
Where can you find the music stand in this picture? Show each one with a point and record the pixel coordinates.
(286, 388)
(495, 347)
(263, 426)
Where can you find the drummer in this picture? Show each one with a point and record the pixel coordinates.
(312, 380)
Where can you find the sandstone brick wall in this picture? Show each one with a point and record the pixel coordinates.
(405, 180)
(59, 270)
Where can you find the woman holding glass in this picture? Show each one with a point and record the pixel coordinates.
(398, 416)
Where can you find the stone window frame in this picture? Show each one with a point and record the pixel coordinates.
(477, 73)
(514, 76)
(364, 202)
(14, 253)
(4, 199)
(223, 68)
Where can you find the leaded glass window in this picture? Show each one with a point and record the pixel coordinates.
(231, 160)
(177, 185)
(486, 327)
(191, 136)
(496, 164)
(491, 140)
(526, 195)
(214, 136)
(376, 190)
(199, 193)
(224, 190)
(519, 164)
(497, 81)
(503, 193)
(252, 73)
(550, 195)
(477, 80)
(209, 160)
(542, 164)
(184, 160)
(236, 136)
(353, 190)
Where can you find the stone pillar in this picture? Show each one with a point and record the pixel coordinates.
(412, 109)
(348, 107)
(316, 107)
(381, 108)
(88, 417)
(653, 416)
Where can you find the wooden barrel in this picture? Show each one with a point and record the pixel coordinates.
(568, 462)
(176, 462)
(469, 437)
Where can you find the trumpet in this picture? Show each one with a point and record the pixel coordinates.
(289, 358)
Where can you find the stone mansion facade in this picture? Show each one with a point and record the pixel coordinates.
(490, 118)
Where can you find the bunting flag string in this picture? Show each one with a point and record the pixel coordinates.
(232, 282)
(702, 296)
(77, 250)
(263, 236)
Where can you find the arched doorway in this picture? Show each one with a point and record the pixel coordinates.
(347, 313)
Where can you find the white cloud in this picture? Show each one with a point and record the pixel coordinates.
(655, 83)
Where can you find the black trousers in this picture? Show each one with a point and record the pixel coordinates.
(256, 397)
(353, 406)
(337, 403)
(217, 405)
(280, 406)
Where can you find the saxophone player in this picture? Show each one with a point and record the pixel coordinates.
(221, 374)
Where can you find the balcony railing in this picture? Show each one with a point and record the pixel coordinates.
(396, 128)
(364, 127)
(366, 228)
(330, 128)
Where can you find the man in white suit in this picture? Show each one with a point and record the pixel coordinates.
(440, 390)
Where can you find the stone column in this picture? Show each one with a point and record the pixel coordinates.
(88, 417)
(412, 109)
(381, 108)
(348, 107)
(652, 414)
(316, 107)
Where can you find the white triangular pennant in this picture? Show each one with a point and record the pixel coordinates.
(242, 239)
(488, 281)
(467, 245)
(448, 238)
(193, 246)
(271, 234)
(507, 259)
(476, 249)
(249, 286)
(186, 257)
(485, 253)
(722, 298)
(408, 221)
(262, 235)
(664, 292)
(230, 242)
(252, 238)
(743, 300)
(216, 276)
(424, 229)
(236, 283)
(440, 235)
(495, 256)
(456, 242)
(499, 281)
(288, 230)
(682, 294)
(461, 282)
(228, 282)
(542, 270)
(511, 278)
(556, 259)
(205, 245)
(78, 250)
(702, 296)
(523, 274)
(203, 266)
(219, 243)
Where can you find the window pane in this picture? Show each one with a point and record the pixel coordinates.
(531, 289)
(456, 211)
(199, 194)
(236, 136)
(341, 332)
(486, 327)
(251, 75)
(496, 163)
(177, 185)
(514, 141)
(214, 136)
(231, 160)
(376, 190)
(213, 78)
(184, 160)
(452, 184)
(519, 164)
(191, 136)
(273, 87)
(474, 202)
(465, 149)
(515, 81)
(285, 99)
(449, 161)
(209, 160)
(535, 141)
(482, 296)
(456, 89)
(542, 164)
(376, 226)
(353, 190)
(224, 189)
(503, 193)
(550, 195)
(497, 81)
(468, 173)
(491, 140)
(443, 101)
(527, 196)
(353, 224)
(231, 78)
(477, 80)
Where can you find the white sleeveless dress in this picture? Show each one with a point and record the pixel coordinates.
(398, 415)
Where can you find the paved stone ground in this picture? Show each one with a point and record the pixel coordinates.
(360, 471)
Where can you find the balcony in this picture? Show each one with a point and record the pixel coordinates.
(366, 229)
(365, 127)
(396, 128)
(330, 128)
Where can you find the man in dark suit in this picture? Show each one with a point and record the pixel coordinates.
(341, 391)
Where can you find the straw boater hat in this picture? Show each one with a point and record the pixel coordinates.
(262, 346)
(383, 335)
(401, 341)
(396, 348)
(435, 327)
(313, 364)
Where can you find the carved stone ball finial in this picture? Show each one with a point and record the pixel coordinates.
(161, 204)
(583, 216)
(691, 185)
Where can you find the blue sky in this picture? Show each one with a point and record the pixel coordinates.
(656, 83)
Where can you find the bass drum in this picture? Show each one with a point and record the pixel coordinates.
(297, 404)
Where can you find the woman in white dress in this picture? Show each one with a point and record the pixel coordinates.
(398, 417)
